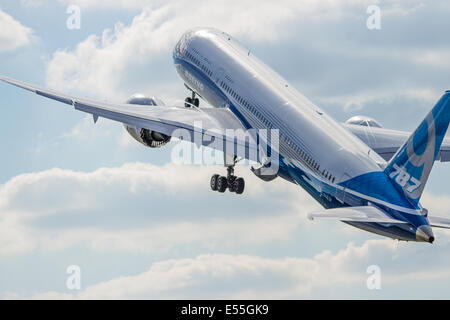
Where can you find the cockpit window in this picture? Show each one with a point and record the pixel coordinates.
(373, 123)
(180, 48)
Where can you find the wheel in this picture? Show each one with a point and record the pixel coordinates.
(231, 187)
(213, 183)
(222, 184)
(188, 102)
(196, 102)
(239, 185)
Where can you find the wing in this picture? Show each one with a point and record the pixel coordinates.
(213, 124)
(386, 142)
(355, 214)
(439, 222)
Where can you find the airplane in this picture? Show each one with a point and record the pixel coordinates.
(362, 174)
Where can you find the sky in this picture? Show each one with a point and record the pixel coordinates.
(139, 226)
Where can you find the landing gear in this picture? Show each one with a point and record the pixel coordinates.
(214, 180)
(239, 185)
(233, 183)
(222, 184)
(192, 101)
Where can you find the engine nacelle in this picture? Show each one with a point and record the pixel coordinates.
(364, 121)
(147, 137)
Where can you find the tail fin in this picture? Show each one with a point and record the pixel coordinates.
(410, 167)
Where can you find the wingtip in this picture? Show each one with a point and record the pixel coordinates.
(5, 78)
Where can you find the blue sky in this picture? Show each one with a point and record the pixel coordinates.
(140, 226)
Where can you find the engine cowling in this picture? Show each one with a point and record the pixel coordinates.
(364, 121)
(147, 137)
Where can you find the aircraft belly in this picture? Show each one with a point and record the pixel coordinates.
(394, 231)
(325, 194)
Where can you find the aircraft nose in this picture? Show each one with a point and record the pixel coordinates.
(425, 234)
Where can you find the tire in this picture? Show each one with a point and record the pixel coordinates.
(222, 184)
(188, 102)
(231, 187)
(213, 182)
(239, 185)
(196, 102)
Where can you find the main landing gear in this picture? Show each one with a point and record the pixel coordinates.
(233, 183)
(221, 183)
(192, 101)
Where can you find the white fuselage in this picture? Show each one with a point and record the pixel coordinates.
(265, 100)
(316, 151)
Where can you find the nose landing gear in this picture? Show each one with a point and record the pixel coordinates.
(192, 101)
(230, 182)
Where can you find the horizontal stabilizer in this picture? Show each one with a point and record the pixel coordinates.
(439, 222)
(386, 142)
(356, 214)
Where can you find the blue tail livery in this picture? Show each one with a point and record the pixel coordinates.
(412, 164)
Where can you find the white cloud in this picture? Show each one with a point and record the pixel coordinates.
(436, 205)
(58, 209)
(137, 56)
(13, 34)
(126, 140)
(434, 58)
(112, 4)
(357, 101)
(87, 129)
(96, 4)
(138, 4)
(99, 65)
(29, 202)
(32, 3)
(29, 199)
(223, 276)
(172, 236)
(398, 10)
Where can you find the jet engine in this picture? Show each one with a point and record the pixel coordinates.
(147, 137)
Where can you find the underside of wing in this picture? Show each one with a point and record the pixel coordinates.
(386, 142)
(355, 214)
(219, 129)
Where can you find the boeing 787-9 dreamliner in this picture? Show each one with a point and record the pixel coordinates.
(361, 173)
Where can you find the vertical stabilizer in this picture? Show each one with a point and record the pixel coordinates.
(410, 167)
